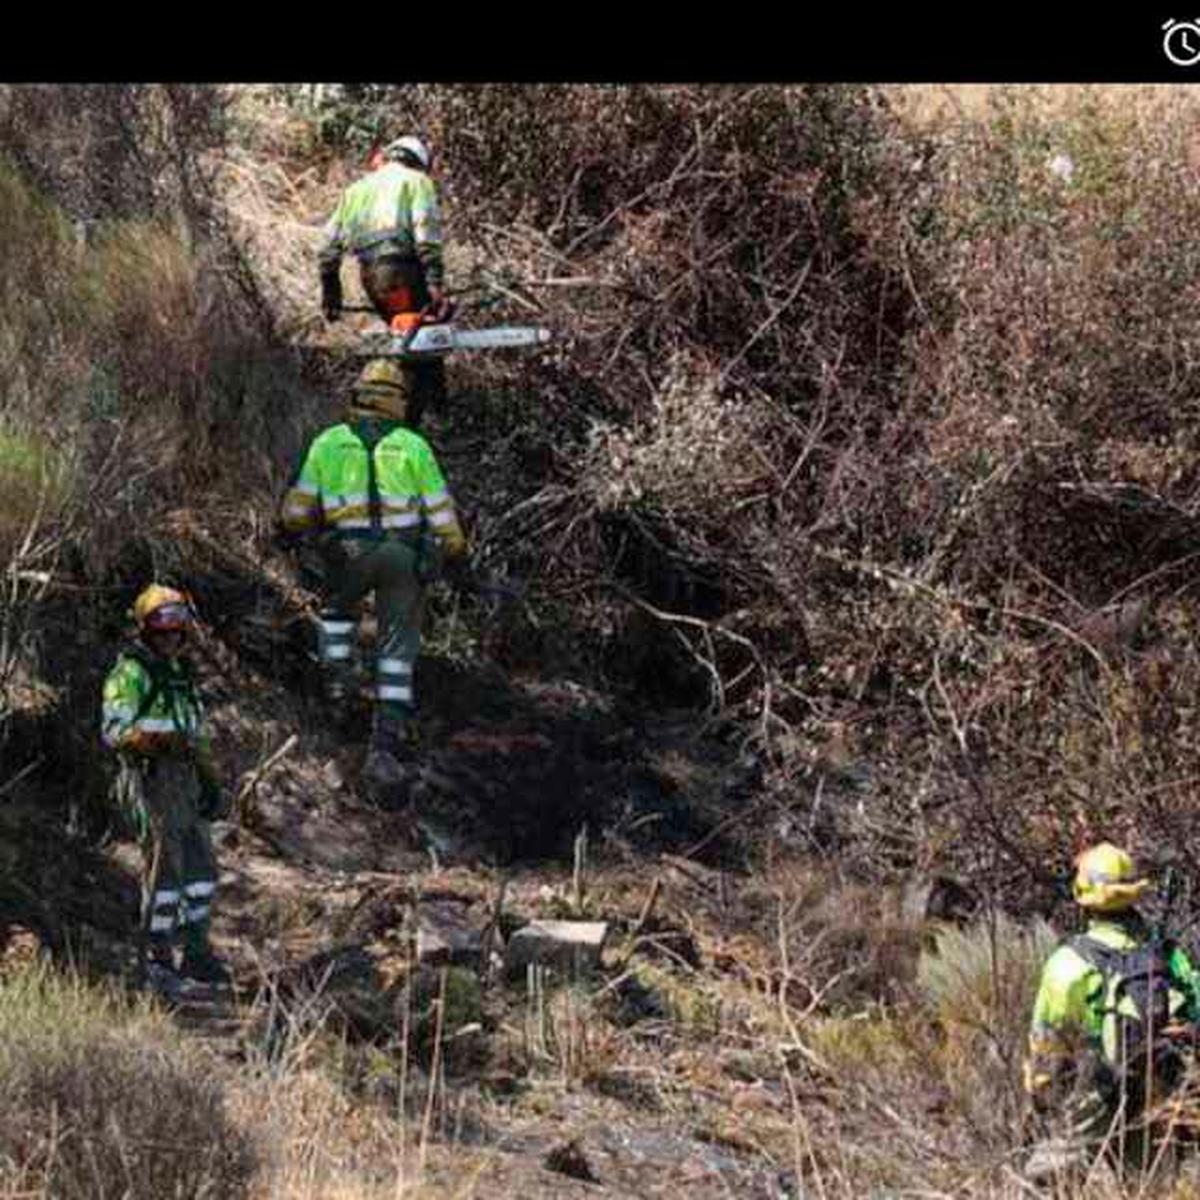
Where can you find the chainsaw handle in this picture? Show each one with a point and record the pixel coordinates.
(430, 314)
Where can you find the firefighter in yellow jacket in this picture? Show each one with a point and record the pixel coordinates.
(168, 788)
(370, 490)
(1113, 1022)
(390, 220)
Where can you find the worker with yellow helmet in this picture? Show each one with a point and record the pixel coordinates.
(370, 492)
(168, 788)
(1115, 1009)
(390, 220)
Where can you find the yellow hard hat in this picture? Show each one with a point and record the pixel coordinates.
(385, 386)
(162, 608)
(1106, 879)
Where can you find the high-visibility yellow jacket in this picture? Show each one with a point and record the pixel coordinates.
(393, 210)
(150, 706)
(1069, 1008)
(396, 489)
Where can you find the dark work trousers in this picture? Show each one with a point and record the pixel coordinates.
(161, 797)
(389, 569)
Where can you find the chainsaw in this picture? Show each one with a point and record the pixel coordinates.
(413, 335)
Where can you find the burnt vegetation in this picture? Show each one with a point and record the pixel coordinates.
(863, 462)
(869, 444)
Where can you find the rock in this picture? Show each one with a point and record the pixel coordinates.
(342, 981)
(574, 944)
(568, 1159)
(445, 935)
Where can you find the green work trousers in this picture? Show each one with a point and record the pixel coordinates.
(161, 797)
(389, 568)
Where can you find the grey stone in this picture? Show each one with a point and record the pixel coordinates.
(557, 943)
(446, 936)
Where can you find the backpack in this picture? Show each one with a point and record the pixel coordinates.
(1136, 1006)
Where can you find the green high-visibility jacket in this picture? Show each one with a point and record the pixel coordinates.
(1070, 997)
(333, 489)
(146, 694)
(392, 210)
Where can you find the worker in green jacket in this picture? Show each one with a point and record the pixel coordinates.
(391, 222)
(370, 490)
(1114, 1022)
(168, 789)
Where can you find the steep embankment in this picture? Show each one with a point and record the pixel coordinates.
(851, 519)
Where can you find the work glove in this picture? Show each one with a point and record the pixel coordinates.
(285, 541)
(331, 295)
(429, 560)
(440, 306)
(157, 743)
(457, 572)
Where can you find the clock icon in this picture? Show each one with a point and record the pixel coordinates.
(1181, 42)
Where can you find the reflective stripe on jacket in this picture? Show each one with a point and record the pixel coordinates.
(392, 210)
(332, 490)
(173, 708)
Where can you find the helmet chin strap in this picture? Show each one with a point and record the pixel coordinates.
(157, 640)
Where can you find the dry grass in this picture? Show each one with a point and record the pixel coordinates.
(858, 439)
(278, 212)
(934, 106)
(103, 1100)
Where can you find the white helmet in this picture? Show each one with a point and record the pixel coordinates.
(408, 145)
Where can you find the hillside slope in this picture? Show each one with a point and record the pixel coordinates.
(849, 518)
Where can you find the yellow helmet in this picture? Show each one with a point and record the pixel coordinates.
(162, 608)
(385, 386)
(1106, 879)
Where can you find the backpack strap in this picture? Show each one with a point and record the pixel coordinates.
(369, 436)
(158, 679)
(1095, 953)
(1108, 960)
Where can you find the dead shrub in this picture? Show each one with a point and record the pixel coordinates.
(99, 1101)
(980, 982)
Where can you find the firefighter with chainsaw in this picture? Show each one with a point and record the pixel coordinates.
(167, 788)
(1114, 1023)
(391, 222)
(370, 492)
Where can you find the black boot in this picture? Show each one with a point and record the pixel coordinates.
(159, 975)
(203, 966)
(391, 754)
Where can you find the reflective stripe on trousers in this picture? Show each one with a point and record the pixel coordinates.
(164, 910)
(199, 895)
(335, 635)
(393, 678)
(179, 878)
